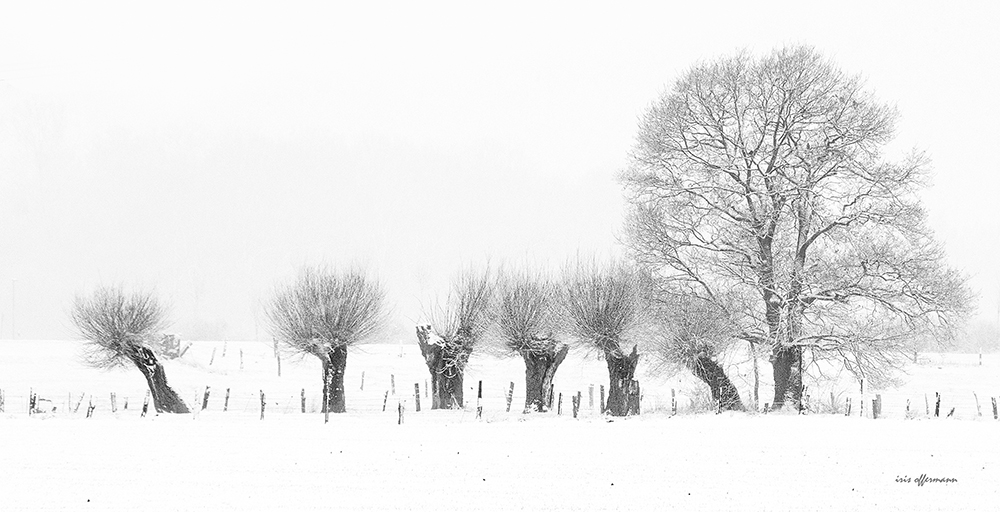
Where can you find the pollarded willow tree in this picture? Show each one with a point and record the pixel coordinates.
(119, 328)
(322, 313)
(457, 327)
(693, 334)
(764, 179)
(606, 307)
(528, 323)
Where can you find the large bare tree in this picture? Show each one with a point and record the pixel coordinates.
(323, 312)
(528, 322)
(119, 328)
(457, 326)
(763, 180)
(606, 307)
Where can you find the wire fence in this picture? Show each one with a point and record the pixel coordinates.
(497, 402)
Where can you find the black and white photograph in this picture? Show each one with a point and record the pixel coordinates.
(457, 256)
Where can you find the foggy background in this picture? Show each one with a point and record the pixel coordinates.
(210, 150)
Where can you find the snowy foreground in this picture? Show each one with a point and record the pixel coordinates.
(450, 460)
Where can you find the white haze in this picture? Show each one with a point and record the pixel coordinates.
(210, 150)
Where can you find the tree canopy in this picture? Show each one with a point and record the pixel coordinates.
(760, 184)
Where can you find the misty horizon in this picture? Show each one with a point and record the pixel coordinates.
(209, 157)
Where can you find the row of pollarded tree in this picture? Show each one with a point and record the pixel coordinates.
(606, 309)
(529, 314)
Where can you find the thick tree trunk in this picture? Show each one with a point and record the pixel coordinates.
(621, 371)
(334, 366)
(540, 367)
(788, 358)
(787, 364)
(446, 369)
(165, 399)
(723, 391)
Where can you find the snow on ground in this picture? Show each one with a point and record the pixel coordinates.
(449, 460)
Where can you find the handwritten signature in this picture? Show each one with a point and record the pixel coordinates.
(924, 479)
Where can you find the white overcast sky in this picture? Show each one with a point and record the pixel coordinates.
(210, 149)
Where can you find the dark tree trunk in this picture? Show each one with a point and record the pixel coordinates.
(724, 392)
(621, 371)
(333, 380)
(540, 367)
(165, 399)
(447, 371)
(787, 365)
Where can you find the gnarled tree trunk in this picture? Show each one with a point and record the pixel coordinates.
(540, 367)
(621, 371)
(447, 371)
(333, 380)
(165, 399)
(724, 392)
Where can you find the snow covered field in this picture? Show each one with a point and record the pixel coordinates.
(449, 460)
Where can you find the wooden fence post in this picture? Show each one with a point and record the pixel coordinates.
(125, 408)
(847, 404)
(590, 393)
(3, 401)
(416, 396)
(979, 412)
(510, 396)
(385, 400)
(114, 404)
(559, 409)
(303, 400)
(362, 380)
(552, 395)
(401, 408)
(992, 398)
(673, 402)
(90, 407)
(927, 406)
(225, 345)
(204, 401)
(479, 402)
(212, 360)
(937, 404)
(262, 402)
(392, 381)
(907, 408)
(80, 401)
(225, 407)
(861, 406)
(145, 405)
(576, 404)
(602, 398)
(31, 402)
(277, 355)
